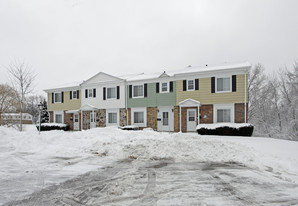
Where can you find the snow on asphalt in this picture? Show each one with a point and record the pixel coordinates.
(30, 162)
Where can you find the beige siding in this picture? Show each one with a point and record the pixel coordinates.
(68, 104)
(204, 95)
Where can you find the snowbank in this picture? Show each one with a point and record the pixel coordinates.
(33, 161)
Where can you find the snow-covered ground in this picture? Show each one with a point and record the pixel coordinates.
(30, 162)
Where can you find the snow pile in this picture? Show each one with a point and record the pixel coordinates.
(53, 125)
(30, 161)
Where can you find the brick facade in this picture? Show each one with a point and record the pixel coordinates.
(152, 117)
(123, 118)
(239, 112)
(176, 119)
(206, 114)
(101, 118)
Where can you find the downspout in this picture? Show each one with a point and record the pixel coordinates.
(245, 105)
(125, 88)
(180, 118)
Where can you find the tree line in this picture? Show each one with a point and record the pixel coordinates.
(273, 102)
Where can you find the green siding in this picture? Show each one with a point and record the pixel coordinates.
(153, 99)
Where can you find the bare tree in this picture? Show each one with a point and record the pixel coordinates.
(7, 100)
(21, 79)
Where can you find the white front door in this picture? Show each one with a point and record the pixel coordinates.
(191, 120)
(92, 120)
(76, 122)
(165, 119)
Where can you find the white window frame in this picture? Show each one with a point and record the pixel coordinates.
(193, 85)
(74, 92)
(90, 93)
(139, 109)
(107, 93)
(221, 77)
(55, 97)
(133, 91)
(59, 113)
(223, 106)
(107, 117)
(160, 89)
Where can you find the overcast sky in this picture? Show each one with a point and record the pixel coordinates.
(72, 40)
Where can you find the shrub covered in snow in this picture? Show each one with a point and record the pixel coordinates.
(227, 129)
(53, 126)
(130, 127)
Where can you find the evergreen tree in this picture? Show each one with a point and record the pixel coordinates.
(44, 112)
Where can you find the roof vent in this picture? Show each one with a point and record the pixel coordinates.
(206, 65)
(189, 66)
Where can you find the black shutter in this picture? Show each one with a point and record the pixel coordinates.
(118, 92)
(53, 96)
(94, 92)
(62, 97)
(86, 93)
(104, 93)
(130, 91)
(145, 90)
(157, 87)
(212, 84)
(234, 83)
(184, 85)
(196, 84)
(70, 94)
(78, 94)
(171, 86)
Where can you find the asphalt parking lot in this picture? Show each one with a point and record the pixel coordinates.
(165, 182)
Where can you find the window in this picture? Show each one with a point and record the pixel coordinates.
(76, 118)
(223, 84)
(74, 95)
(111, 93)
(90, 92)
(58, 118)
(138, 117)
(190, 85)
(164, 87)
(58, 97)
(112, 118)
(191, 116)
(138, 91)
(224, 115)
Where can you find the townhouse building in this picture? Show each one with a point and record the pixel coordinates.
(174, 101)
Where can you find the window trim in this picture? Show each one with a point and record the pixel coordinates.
(133, 91)
(76, 92)
(107, 93)
(59, 113)
(193, 85)
(107, 117)
(221, 77)
(139, 109)
(160, 87)
(223, 106)
(55, 97)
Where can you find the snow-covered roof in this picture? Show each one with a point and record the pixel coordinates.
(144, 76)
(65, 86)
(214, 67)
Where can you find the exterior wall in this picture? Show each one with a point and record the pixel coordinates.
(176, 119)
(239, 113)
(68, 104)
(129, 116)
(51, 115)
(101, 118)
(86, 120)
(153, 99)
(123, 117)
(206, 114)
(99, 102)
(204, 95)
(68, 119)
(152, 117)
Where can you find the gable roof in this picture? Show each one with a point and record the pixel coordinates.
(100, 78)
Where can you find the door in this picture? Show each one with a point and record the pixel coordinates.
(165, 120)
(191, 120)
(92, 120)
(76, 123)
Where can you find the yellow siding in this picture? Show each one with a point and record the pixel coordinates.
(68, 104)
(204, 95)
